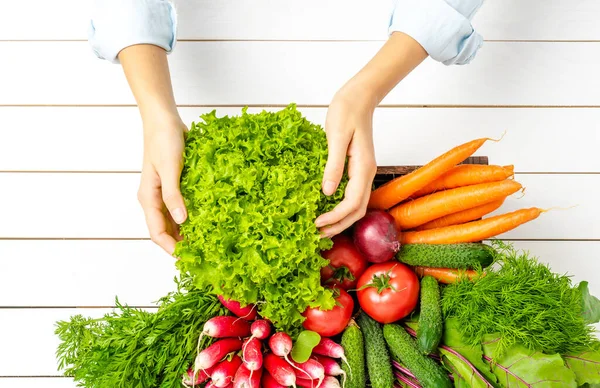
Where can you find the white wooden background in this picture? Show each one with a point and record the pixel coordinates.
(72, 235)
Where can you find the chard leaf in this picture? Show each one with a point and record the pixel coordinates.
(586, 366)
(465, 374)
(520, 367)
(590, 304)
(474, 354)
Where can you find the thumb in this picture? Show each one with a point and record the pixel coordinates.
(171, 194)
(337, 143)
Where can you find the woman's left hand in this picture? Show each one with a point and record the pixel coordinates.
(349, 128)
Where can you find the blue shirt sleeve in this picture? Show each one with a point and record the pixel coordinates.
(117, 24)
(442, 27)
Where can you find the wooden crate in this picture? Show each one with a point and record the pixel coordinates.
(387, 173)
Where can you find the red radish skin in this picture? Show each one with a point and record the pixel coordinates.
(260, 329)
(211, 384)
(307, 383)
(223, 373)
(376, 236)
(279, 368)
(247, 312)
(280, 344)
(312, 368)
(200, 377)
(245, 378)
(252, 354)
(331, 367)
(330, 382)
(215, 352)
(226, 326)
(328, 347)
(269, 382)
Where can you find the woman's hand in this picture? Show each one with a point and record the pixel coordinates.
(147, 72)
(349, 133)
(159, 192)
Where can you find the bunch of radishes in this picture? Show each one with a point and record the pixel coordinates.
(246, 355)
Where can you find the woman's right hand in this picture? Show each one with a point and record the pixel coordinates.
(159, 192)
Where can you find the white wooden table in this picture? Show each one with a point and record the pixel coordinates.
(72, 235)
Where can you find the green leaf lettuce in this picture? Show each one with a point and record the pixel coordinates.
(252, 187)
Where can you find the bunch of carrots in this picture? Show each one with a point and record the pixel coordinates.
(444, 201)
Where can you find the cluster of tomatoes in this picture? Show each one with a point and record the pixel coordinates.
(387, 291)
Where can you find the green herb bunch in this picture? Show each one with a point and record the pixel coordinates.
(252, 187)
(132, 348)
(522, 302)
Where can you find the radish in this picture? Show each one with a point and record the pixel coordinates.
(226, 326)
(281, 370)
(245, 378)
(260, 329)
(329, 348)
(330, 382)
(307, 383)
(252, 354)
(190, 379)
(376, 236)
(269, 382)
(331, 367)
(313, 368)
(211, 384)
(247, 312)
(215, 352)
(223, 373)
(281, 345)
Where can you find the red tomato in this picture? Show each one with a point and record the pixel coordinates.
(328, 323)
(346, 264)
(388, 291)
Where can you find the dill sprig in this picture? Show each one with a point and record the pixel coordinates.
(522, 301)
(134, 348)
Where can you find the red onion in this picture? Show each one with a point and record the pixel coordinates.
(376, 236)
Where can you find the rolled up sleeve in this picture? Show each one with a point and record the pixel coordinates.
(442, 27)
(117, 24)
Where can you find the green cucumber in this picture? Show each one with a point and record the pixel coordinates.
(379, 364)
(457, 256)
(354, 349)
(404, 348)
(429, 331)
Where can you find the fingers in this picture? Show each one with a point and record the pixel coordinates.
(350, 210)
(157, 226)
(170, 175)
(161, 228)
(337, 143)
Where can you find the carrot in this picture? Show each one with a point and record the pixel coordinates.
(402, 187)
(466, 175)
(445, 275)
(462, 216)
(428, 208)
(472, 231)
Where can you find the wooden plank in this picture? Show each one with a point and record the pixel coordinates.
(61, 137)
(308, 73)
(22, 330)
(28, 382)
(328, 20)
(105, 206)
(84, 273)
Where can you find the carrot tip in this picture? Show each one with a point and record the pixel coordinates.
(501, 137)
(557, 208)
(522, 192)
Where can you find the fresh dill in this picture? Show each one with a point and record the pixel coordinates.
(522, 301)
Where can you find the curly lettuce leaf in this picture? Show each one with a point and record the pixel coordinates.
(252, 187)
